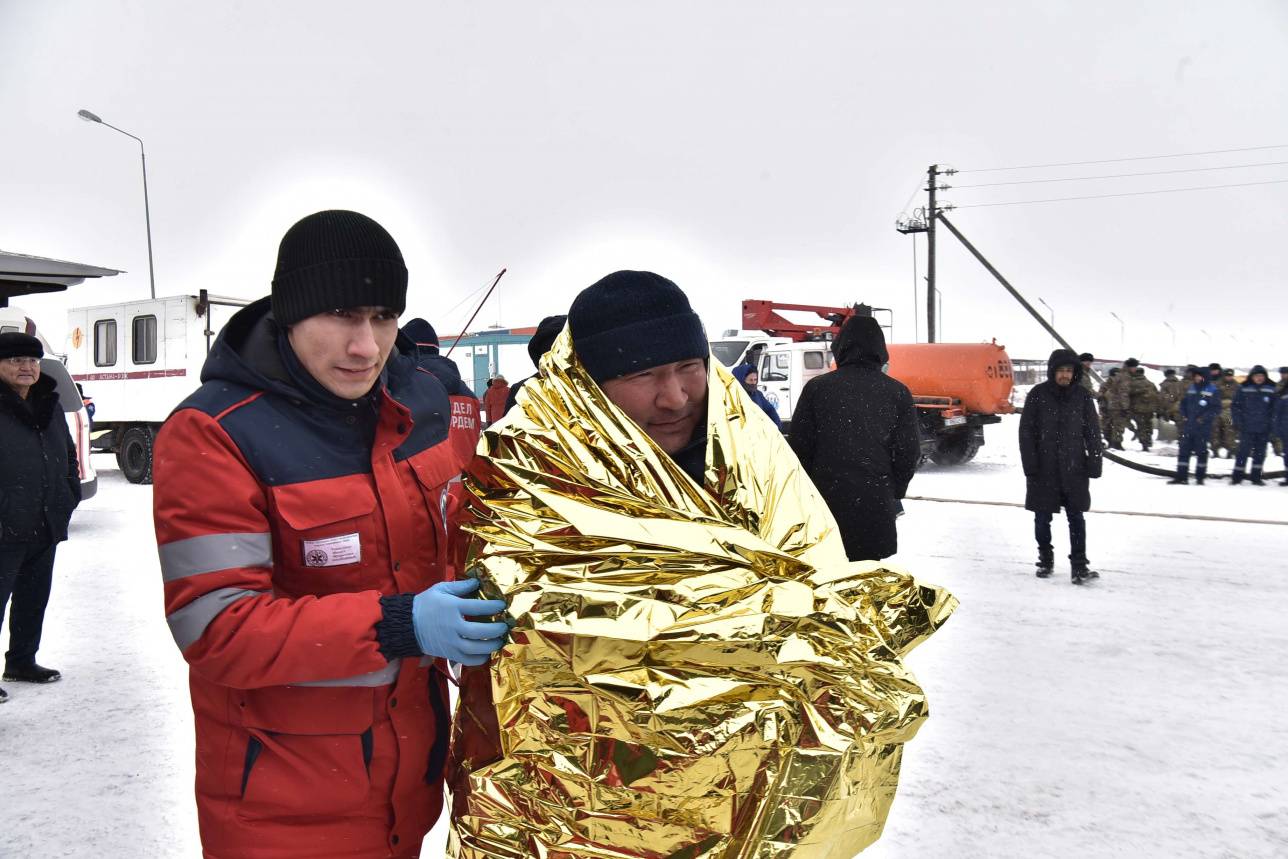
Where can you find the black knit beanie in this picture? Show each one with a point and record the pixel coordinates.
(337, 259)
(15, 344)
(633, 320)
(421, 332)
(547, 330)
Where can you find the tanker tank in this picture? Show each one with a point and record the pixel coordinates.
(977, 374)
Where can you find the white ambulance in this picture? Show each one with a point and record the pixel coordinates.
(139, 360)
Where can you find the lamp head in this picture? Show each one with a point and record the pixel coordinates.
(87, 116)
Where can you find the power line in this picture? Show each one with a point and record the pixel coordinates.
(1124, 175)
(1125, 194)
(1119, 160)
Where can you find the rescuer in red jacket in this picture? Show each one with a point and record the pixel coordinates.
(298, 507)
(498, 390)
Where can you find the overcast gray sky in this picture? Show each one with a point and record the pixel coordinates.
(744, 149)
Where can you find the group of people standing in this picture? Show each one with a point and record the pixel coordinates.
(1257, 412)
(308, 508)
(1212, 410)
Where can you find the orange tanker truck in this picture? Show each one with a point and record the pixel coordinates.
(958, 388)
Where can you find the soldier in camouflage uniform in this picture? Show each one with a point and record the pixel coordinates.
(1115, 402)
(1142, 398)
(1280, 390)
(1170, 394)
(1223, 434)
(1086, 358)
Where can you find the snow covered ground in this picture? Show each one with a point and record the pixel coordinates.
(1141, 716)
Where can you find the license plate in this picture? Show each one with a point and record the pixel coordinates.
(955, 422)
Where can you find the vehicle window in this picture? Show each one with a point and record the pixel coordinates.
(8, 329)
(143, 340)
(814, 361)
(728, 351)
(773, 367)
(105, 343)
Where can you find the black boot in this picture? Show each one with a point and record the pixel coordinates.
(32, 673)
(1046, 563)
(4, 696)
(1256, 476)
(1182, 475)
(1236, 478)
(1082, 573)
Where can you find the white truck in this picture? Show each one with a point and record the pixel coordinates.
(138, 360)
(78, 423)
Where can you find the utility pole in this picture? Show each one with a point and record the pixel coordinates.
(932, 174)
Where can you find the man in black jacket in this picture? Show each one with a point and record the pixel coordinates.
(855, 431)
(1061, 450)
(542, 339)
(39, 488)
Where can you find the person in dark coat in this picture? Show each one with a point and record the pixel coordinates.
(547, 330)
(39, 489)
(1061, 450)
(855, 432)
(419, 340)
(747, 374)
(1252, 411)
(1280, 420)
(1199, 408)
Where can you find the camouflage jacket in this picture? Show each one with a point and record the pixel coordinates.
(1115, 395)
(1170, 394)
(1142, 393)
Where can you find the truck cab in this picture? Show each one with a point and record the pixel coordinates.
(784, 366)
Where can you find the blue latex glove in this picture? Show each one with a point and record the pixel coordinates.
(438, 615)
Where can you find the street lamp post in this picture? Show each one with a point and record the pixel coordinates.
(1052, 312)
(147, 213)
(1122, 330)
(1169, 327)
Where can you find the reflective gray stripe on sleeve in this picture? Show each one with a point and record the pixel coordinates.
(384, 677)
(213, 552)
(188, 623)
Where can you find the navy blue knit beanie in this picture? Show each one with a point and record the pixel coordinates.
(421, 332)
(337, 259)
(544, 337)
(633, 320)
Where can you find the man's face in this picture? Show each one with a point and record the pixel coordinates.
(19, 373)
(1064, 376)
(1258, 378)
(1198, 378)
(667, 401)
(753, 379)
(345, 350)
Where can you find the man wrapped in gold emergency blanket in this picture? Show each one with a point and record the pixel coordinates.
(694, 672)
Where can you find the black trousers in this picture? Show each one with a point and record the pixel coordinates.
(26, 572)
(1077, 534)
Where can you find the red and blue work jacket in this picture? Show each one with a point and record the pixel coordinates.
(283, 515)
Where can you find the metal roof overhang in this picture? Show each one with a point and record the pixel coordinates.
(21, 274)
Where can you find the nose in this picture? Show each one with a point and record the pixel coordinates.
(362, 343)
(670, 393)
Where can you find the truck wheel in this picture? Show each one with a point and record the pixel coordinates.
(135, 454)
(955, 450)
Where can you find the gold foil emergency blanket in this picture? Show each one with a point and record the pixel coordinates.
(693, 673)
